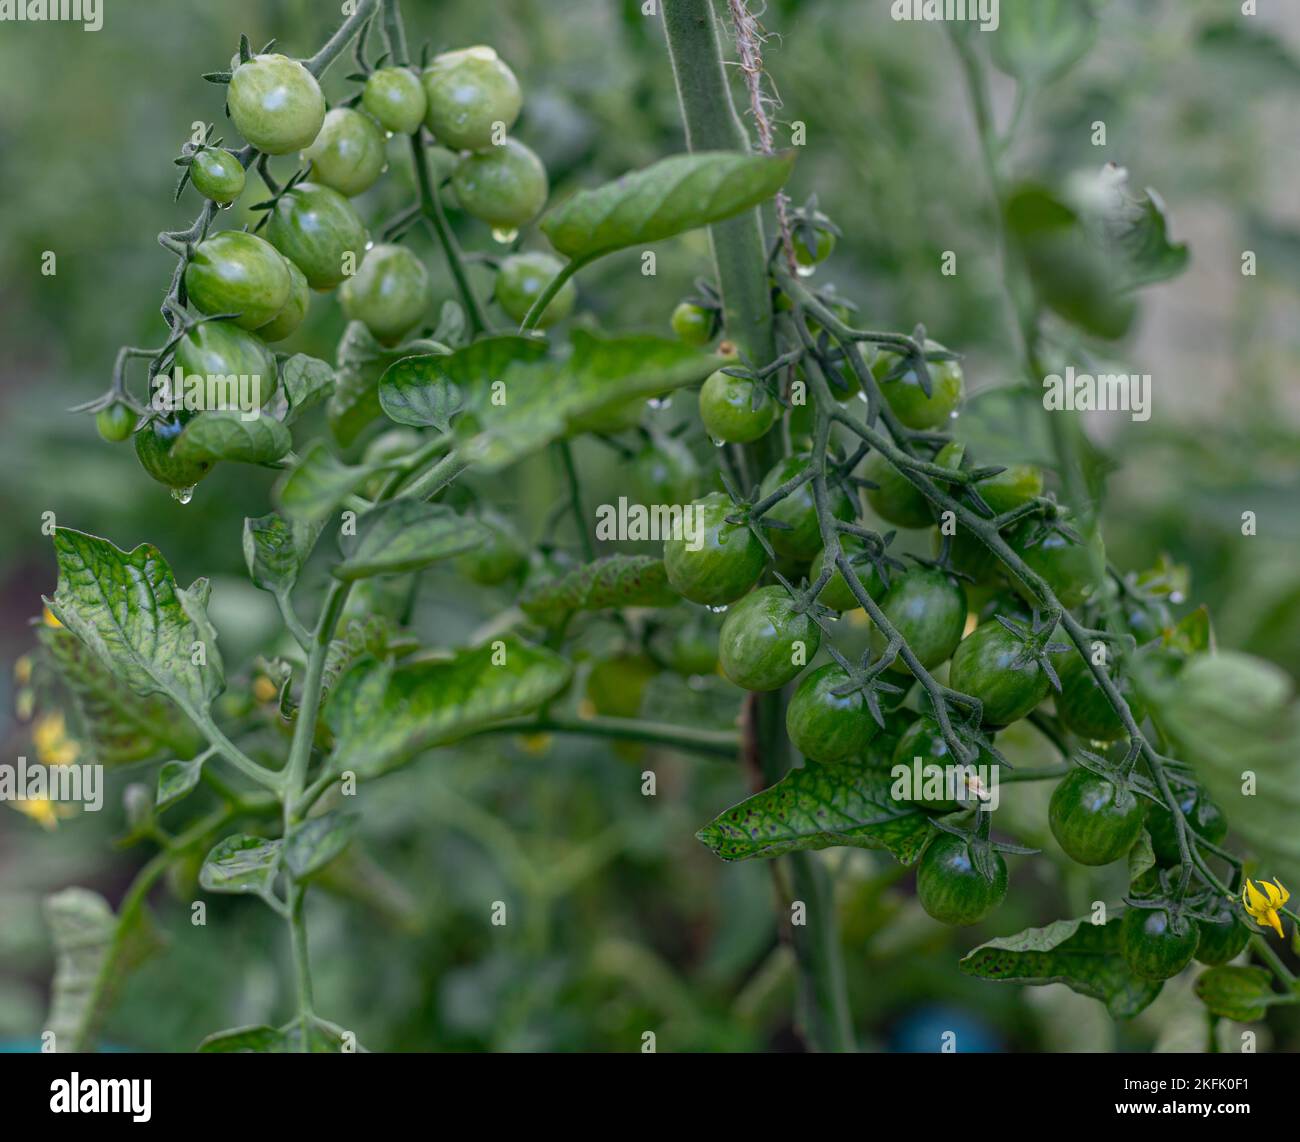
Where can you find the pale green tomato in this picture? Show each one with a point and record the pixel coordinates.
(276, 104)
(389, 294)
(469, 92)
(504, 186)
(295, 309)
(348, 154)
(520, 282)
(395, 97)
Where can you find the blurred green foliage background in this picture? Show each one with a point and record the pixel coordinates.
(619, 920)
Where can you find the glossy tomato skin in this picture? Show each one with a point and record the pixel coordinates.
(1016, 485)
(1066, 566)
(284, 323)
(735, 410)
(821, 249)
(348, 154)
(520, 282)
(985, 666)
(395, 97)
(1091, 821)
(276, 104)
(221, 349)
(950, 887)
(895, 499)
(318, 230)
(115, 423)
(389, 294)
(824, 726)
(693, 324)
(728, 562)
(922, 748)
(1152, 946)
(837, 594)
(665, 471)
(1083, 707)
(237, 272)
(908, 399)
(928, 609)
(504, 186)
(153, 444)
(802, 537)
(1203, 817)
(499, 558)
(217, 174)
(467, 92)
(764, 644)
(1222, 938)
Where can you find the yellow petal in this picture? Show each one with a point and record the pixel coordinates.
(1273, 893)
(1285, 894)
(1275, 922)
(1254, 900)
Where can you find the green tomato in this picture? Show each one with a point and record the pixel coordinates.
(1015, 485)
(115, 422)
(921, 749)
(504, 186)
(693, 324)
(499, 558)
(237, 272)
(693, 648)
(1094, 821)
(520, 282)
(837, 594)
(879, 753)
(665, 471)
(928, 609)
(950, 887)
(986, 666)
(217, 174)
(469, 92)
(1083, 707)
(736, 410)
(295, 309)
(802, 539)
(1154, 944)
(1066, 566)
(824, 244)
(616, 686)
(894, 498)
(1222, 938)
(764, 643)
(348, 154)
(223, 349)
(1010, 604)
(825, 726)
(1204, 818)
(729, 560)
(389, 294)
(276, 104)
(908, 399)
(153, 444)
(395, 97)
(318, 230)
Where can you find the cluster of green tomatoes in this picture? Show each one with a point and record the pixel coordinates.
(252, 290)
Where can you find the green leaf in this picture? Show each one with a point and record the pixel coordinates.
(1242, 994)
(259, 1040)
(275, 550)
(176, 779)
(451, 328)
(1140, 857)
(119, 725)
(127, 608)
(354, 404)
(669, 197)
(94, 951)
(1193, 633)
(241, 863)
(383, 715)
(518, 400)
(227, 435)
(614, 581)
(1133, 230)
(405, 535)
(1084, 956)
(318, 483)
(820, 807)
(311, 845)
(1039, 40)
(417, 392)
(307, 381)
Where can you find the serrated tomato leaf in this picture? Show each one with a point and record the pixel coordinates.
(313, 843)
(614, 581)
(417, 392)
(306, 381)
(241, 864)
(405, 535)
(275, 550)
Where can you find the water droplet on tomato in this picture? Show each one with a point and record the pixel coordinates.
(805, 271)
(503, 235)
(183, 495)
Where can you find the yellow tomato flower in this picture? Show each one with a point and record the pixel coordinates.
(50, 736)
(1262, 903)
(264, 689)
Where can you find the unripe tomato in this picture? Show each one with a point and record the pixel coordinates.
(736, 410)
(616, 686)
(318, 230)
(908, 399)
(222, 349)
(693, 324)
(665, 471)
(950, 887)
(1066, 566)
(153, 444)
(395, 97)
(895, 498)
(1092, 820)
(802, 539)
(821, 250)
(1154, 946)
(295, 309)
(1222, 938)
(922, 748)
(928, 609)
(115, 422)
(764, 642)
(217, 174)
(824, 726)
(276, 104)
(390, 293)
(837, 594)
(503, 186)
(693, 648)
(986, 665)
(1083, 707)
(728, 562)
(468, 92)
(499, 557)
(520, 282)
(1015, 485)
(1204, 818)
(237, 272)
(348, 154)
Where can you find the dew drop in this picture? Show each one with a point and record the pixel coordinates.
(660, 402)
(719, 443)
(805, 271)
(370, 245)
(384, 168)
(225, 205)
(722, 610)
(183, 495)
(504, 236)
